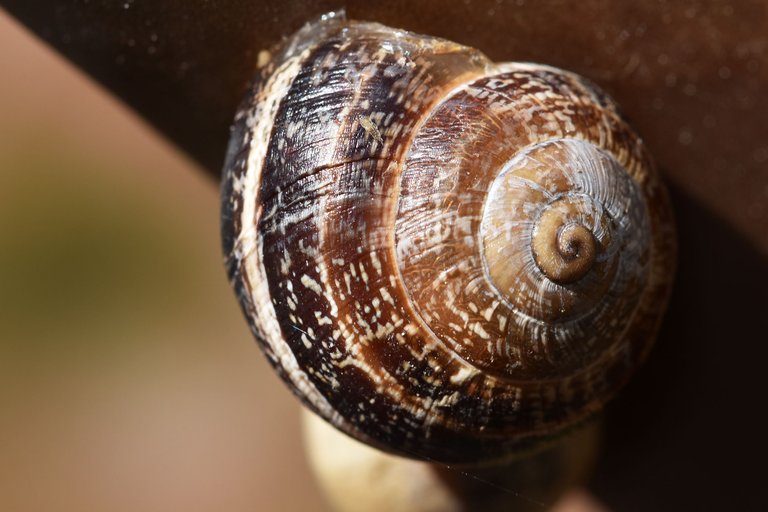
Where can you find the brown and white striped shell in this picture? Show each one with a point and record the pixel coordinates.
(444, 257)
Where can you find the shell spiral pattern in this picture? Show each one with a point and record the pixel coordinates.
(444, 257)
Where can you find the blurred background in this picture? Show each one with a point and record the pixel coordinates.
(128, 378)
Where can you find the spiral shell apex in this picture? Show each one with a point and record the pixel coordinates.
(444, 257)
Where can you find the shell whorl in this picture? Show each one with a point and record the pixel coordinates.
(444, 257)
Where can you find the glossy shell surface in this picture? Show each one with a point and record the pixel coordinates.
(444, 257)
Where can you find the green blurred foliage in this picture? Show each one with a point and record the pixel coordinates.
(80, 251)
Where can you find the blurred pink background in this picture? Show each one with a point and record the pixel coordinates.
(128, 378)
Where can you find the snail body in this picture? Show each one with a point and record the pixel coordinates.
(444, 257)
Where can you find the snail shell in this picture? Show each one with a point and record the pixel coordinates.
(445, 257)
